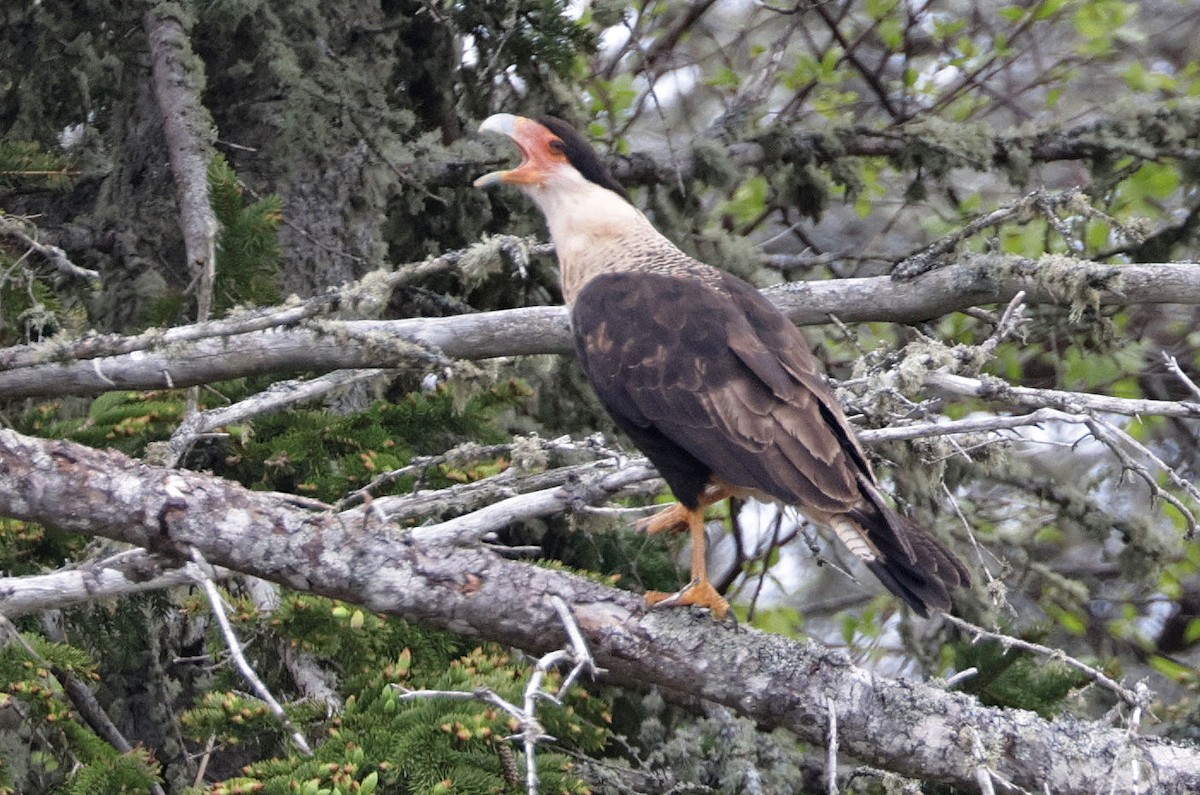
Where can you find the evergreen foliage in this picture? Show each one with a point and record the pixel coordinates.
(27, 164)
(248, 253)
(125, 421)
(1014, 678)
(419, 746)
(324, 454)
(31, 671)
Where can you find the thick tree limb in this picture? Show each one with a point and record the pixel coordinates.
(55, 368)
(907, 727)
(488, 505)
(178, 83)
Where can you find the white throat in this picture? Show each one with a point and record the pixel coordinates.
(591, 227)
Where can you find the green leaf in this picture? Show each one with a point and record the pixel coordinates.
(1191, 633)
(749, 200)
(725, 78)
(1171, 669)
(1048, 8)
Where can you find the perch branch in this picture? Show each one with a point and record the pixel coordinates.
(906, 727)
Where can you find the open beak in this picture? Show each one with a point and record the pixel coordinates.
(504, 124)
(531, 138)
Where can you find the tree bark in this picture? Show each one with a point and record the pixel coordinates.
(908, 727)
(179, 358)
(178, 83)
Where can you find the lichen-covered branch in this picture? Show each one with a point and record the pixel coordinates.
(910, 728)
(188, 127)
(187, 356)
(1080, 403)
(1154, 134)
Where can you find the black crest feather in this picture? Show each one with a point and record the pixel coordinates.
(582, 156)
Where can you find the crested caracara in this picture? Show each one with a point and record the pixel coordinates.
(707, 377)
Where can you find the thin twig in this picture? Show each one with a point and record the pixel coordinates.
(581, 654)
(12, 226)
(1113, 438)
(205, 757)
(831, 749)
(1174, 367)
(1099, 677)
(532, 733)
(239, 659)
(1009, 322)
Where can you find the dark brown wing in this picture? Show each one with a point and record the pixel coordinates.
(708, 377)
(684, 364)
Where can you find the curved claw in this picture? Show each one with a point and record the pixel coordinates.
(699, 593)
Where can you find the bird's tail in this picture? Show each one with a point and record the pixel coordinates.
(910, 562)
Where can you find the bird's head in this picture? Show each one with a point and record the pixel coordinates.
(588, 213)
(554, 157)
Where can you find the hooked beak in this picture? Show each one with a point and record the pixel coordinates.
(531, 138)
(503, 124)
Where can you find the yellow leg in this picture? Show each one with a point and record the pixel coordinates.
(678, 518)
(699, 591)
(670, 520)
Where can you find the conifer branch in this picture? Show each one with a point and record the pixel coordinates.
(1129, 696)
(532, 733)
(80, 695)
(277, 397)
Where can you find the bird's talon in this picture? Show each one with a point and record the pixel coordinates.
(700, 594)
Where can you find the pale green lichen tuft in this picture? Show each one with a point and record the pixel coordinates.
(528, 454)
(483, 260)
(1079, 282)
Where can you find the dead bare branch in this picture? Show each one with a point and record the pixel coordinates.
(190, 133)
(207, 353)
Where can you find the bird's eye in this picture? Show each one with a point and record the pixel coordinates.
(556, 145)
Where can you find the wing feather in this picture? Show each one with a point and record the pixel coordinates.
(677, 357)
